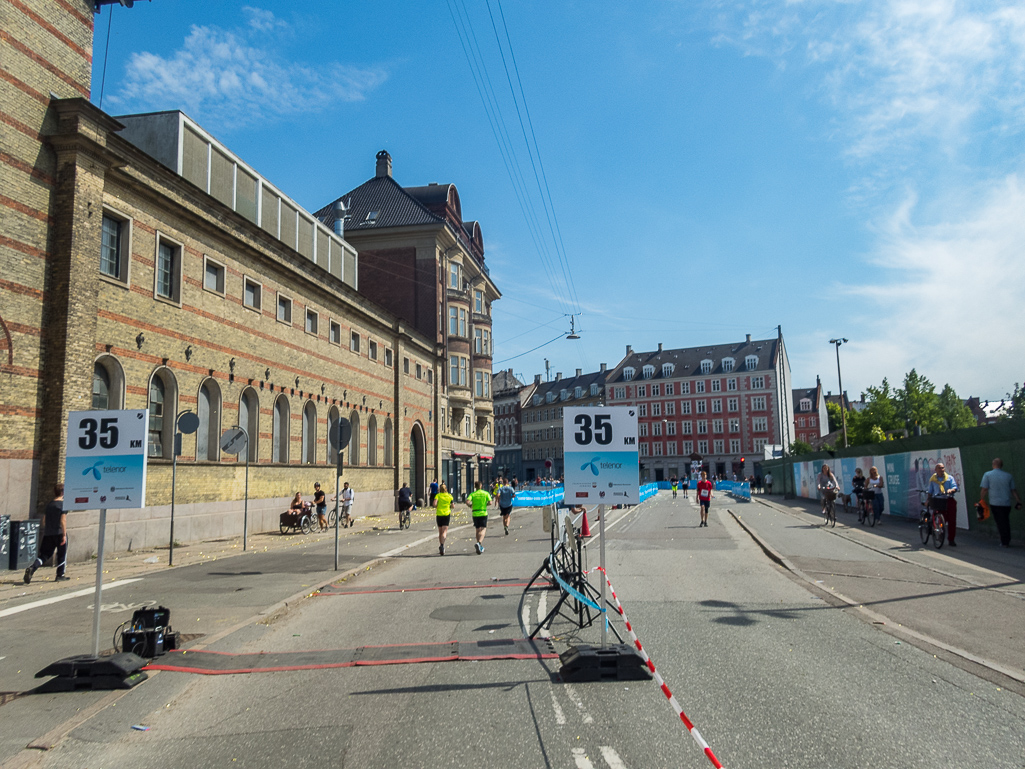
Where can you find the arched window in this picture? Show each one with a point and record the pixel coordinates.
(163, 405)
(332, 435)
(354, 440)
(372, 441)
(309, 438)
(279, 433)
(389, 440)
(249, 418)
(108, 383)
(208, 409)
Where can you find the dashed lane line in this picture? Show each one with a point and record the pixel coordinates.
(65, 597)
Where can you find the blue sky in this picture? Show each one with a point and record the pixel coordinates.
(844, 169)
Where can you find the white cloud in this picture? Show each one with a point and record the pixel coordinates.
(263, 20)
(942, 298)
(222, 78)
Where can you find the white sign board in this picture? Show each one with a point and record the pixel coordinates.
(600, 448)
(105, 465)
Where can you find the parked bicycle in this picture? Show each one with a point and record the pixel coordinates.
(866, 507)
(829, 497)
(932, 522)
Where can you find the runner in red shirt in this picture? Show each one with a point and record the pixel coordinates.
(704, 497)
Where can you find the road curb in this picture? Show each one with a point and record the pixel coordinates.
(878, 620)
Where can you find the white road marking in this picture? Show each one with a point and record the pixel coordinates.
(65, 597)
(525, 616)
(611, 757)
(560, 717)
(542, 612)
(571, 693)
(581, 760)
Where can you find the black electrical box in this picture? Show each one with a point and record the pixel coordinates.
(5, 539)
(24, 543)
(149, 634)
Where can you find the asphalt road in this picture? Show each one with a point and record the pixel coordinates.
(772, 673)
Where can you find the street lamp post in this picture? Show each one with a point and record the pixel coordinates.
(843, 411)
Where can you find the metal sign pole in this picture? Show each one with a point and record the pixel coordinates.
(98, 599)
(174, 483)
(245, 510)
(604, 607)
(338, 479)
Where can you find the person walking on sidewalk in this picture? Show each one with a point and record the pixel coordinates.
(705, 488)
(768, 483)
(432, 492)
(875, 485)
(320, 501)
(55, 537)
(443, 515)
(478, 502)
(998, 485)
(505, 502)
(943, 484)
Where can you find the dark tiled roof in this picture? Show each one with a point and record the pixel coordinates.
(687, 360)
(431, 195)
(504, 381)
(395, 206)
(570, 383)
(811, 393)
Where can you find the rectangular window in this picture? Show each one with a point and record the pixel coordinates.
(642, 410)
(813, 422)
(430, 376)
(658, 448)
(114, 248)
(213, 276)
(758, 403)
(478, 340)
(387, 357)
(335, 333)
(702, 406)
(405, 365)
(688, 448)
(656, 409)
(642, 429)
(717, 406)
(757, 382)
(686, 427)
(642, 391)
(419, 371)
(284, 309)
(354, 341)
(619, 393)
(731, 384)
(717, 426)
(759, 443)
(684, 407)
(670, 389)
(734, 445)
(453, 276)
(312, 322)
(478, 302)
(760, 424)
(702, 447)
(252, 294)
(453, 321)
(656, 428)
(168, 270)
(699, 387)
(462, 371)
(462, 322)
(671, 448)
(453, 369)
(478, 383)
(702, 427)
(719, 446)
(716, 385)
(670, 428)
(732, 404)
(684, 388)
(800, 422)
(656, 390)
(644, 449)
(670, 408)
(372, 349)
(734, 425)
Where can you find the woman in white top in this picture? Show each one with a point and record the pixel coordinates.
(826, 485)
(875, 483)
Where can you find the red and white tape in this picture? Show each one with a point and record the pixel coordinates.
(659, 680)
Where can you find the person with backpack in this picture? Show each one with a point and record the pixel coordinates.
(505, 502)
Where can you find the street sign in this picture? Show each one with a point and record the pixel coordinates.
(600, 448)
(105, 464)
(233, 441)
(344, 433)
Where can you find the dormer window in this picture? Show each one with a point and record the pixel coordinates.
(372, 216)
(648, 372)
(751, 362)
(805, 404)
(706, 366)
(550, 397)
(536, 400)
(563, 394)
(728, 364)
(628, 373)
(578, 392)
(595, 389)
(667, 369)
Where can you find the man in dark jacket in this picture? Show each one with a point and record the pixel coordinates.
(55, 537)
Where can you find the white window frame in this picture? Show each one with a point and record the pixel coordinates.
(684, 407)
(699, 386)
(760, 425)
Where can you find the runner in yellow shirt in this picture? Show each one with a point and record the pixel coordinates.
(443, 513)
(479, 501)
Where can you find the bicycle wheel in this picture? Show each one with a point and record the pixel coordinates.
(939, 528)
(306, 524)
(331, 518)
(924, 528)
(870, 513)
(832, 514)
(284, 527)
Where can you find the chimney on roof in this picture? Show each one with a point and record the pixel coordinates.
(537, 379)
(629, 350)
(749, 339)
(338, 211)
(510, 372)
(602, 367)
(818, 380)
(660, 347)
(383, 164)
(558, 376)
(580, 371)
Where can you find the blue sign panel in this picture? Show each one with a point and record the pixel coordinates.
(105, 464)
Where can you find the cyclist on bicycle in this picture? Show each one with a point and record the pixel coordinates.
(940, 486)
(827, 486)
(405, 504)
(858, 483)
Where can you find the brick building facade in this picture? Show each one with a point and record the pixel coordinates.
(130, 282)
(811, 420)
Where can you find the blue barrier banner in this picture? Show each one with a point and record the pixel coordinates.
(538, 497)
(648, 490)
(741, 489)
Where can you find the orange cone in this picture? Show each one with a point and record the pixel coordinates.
(585, 529)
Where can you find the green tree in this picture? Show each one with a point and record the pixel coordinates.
(835, 417)
(955, 413)
(800, 447)
(918, 404)
(879, 416)
(1016, 406)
